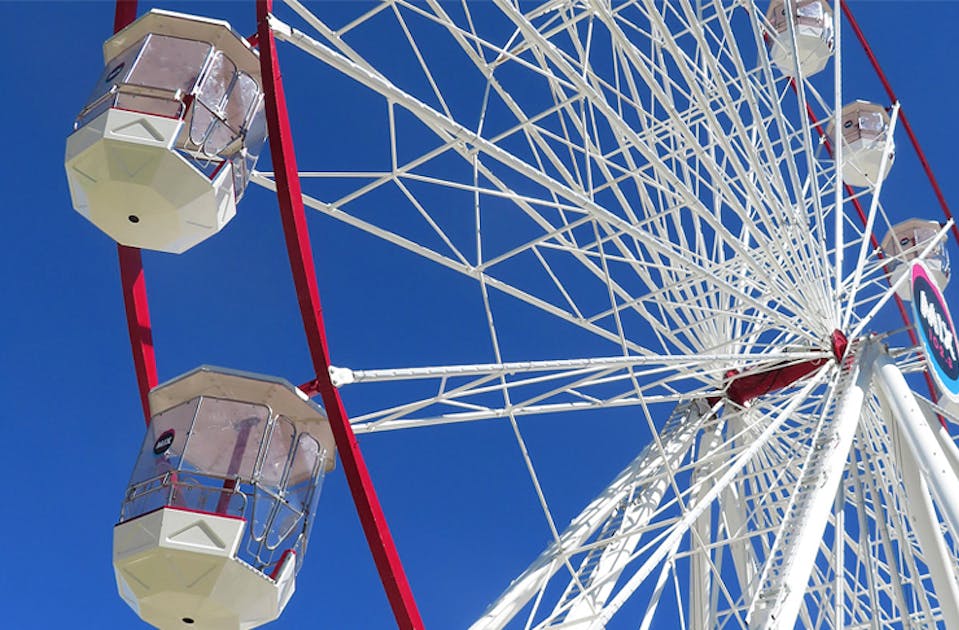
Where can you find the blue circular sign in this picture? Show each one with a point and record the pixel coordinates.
(935, 328)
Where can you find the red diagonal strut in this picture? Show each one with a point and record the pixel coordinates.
(132, 281)
(746, 386)
(903, 119)
(138, 322)
(304, 276)
(124, 13)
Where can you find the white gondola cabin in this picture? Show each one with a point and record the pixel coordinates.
(905, 242)
(812, 24)
(165, 146)
(218, 512)
(865, 132)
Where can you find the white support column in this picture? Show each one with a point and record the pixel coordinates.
(949, 448)
(701, 613)
(922, 516)
(921, 439)
(839, 553)
(733, 514)
(793, 557)
(924, 466)
(647, 472)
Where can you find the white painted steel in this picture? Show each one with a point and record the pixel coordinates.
(179, 567)
(784, 578)
(922, 514)
(126, 178)
(922, 440)
(614, 507)
(637, 174)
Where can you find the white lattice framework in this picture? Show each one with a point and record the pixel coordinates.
(640, 171)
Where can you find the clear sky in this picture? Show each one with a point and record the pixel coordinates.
(457, 498)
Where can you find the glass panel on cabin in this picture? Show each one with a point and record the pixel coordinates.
(256, 135)
(217, 82)
(200, 121)
(170, 63)
(300, 485)
(299, 546)
(240, 175)
(156, 105)
(207, 129)
(218, 138)
(917, 236)
(871, 125)
(222, 451)
(113, 74)
(807, 14)
(225, 441)
(277, 454)
(811, 14)
(850, 130)
(776, 14)
(242, 98)
(244, 161)
(269, 484)
(225, 134)
(913, 241)
(152, 484)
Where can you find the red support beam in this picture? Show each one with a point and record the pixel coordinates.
(746, 386)
(138, 322)
(124, 13)
(300, 253)
(132, 281)
(903, 119)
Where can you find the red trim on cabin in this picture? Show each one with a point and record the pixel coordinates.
(281, 563)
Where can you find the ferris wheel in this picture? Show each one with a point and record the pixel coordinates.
(669, 212)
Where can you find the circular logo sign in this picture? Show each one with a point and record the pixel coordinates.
(164, 442)
(116, 71)
(935, 328)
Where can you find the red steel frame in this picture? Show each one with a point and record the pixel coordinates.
(293, 215)
(138, 322)
(131, 276)
(902, 114)
(295, 231)
(304, 275)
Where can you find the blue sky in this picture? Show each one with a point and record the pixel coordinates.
(457, 498)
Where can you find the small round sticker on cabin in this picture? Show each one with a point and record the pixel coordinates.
(164, 442)
(115, 72)
(936, 330)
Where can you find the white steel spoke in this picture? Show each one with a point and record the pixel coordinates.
(794, 552)
(607, 514)
(638, 182)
